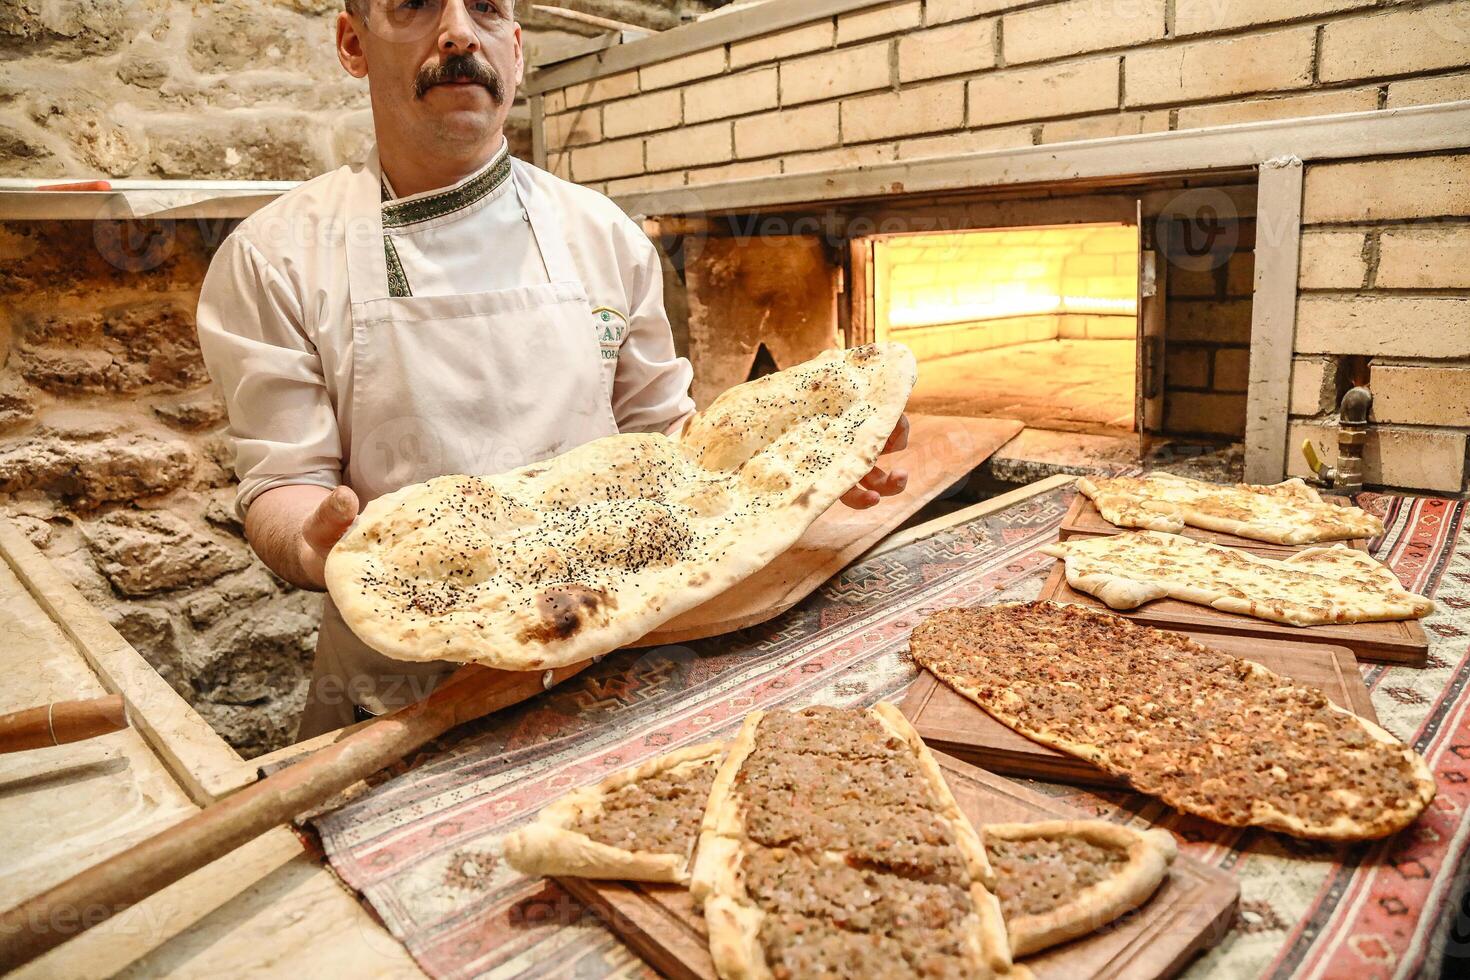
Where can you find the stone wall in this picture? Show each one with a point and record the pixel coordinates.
(235, 89)
(113, 450)
(114, 461)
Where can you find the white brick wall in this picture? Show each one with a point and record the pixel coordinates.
(1079, 26)
(1229, 66)
(1044, 92)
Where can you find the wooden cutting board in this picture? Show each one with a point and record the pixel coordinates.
(1191, 911)
(951, 722)
(942, 450)
(1084, 520)
(1402, 642)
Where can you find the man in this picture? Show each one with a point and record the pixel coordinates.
(440, 308)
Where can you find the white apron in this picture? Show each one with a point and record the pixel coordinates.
(478, 383)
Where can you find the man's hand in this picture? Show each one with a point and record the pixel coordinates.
(322, 529)
(292, 528)
(879, 483)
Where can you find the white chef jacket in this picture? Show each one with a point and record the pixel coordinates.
(276, 331)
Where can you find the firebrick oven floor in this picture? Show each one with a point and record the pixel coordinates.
(1066, 385)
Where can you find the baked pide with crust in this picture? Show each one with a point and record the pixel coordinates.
(832, 846)
(1054, 880)
(636, 825)
(1310, 588)
(569, 558)
(1209, 734)
(1282, 513)
(1060, 879)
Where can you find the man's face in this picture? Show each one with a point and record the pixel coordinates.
(444, 70)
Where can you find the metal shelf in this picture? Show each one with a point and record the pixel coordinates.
(136, 199)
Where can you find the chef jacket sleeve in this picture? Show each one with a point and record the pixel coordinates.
(651, 387)
(267, 368)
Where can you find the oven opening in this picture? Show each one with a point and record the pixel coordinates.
(1038, 324)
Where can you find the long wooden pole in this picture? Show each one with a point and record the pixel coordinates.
(61, 722)
(47, 920)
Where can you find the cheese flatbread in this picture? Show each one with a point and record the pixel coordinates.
(1284, 513)
(831, 846)
(1312, 587)
(635, 825)
(556, 562)
(1207, 733)
(1060, 879)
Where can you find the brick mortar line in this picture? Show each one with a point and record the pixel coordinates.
(1173, 110)
(1372, 292)
(1324, 417)
(1459, 364)
(1370, 256)
(1316, 56)
(1389, 224)
(1311, 88)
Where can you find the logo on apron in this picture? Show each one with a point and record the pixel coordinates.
(611, 326)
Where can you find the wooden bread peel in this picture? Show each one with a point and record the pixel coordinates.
(47, 920)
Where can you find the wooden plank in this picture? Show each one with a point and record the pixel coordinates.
(1083, 520)
(942, 450)
(1273, 318)
(1190, 912)
(202, 762)
(1340, 137)
(952, 723)
(909, 536)
(266, 909)
(1402, 642)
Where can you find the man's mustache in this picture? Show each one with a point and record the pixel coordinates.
(459, 67)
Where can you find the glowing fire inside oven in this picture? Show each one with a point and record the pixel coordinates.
(971, 277)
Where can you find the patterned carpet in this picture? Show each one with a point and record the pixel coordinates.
(423, 846)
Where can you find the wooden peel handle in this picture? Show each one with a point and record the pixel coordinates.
(61, 722)
(91, 897)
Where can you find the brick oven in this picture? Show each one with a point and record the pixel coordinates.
(1157, 220)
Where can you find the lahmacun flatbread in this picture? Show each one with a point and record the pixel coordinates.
(636, 825)
(575, 556)
(1310, 588)
(1060, 879)
(1209, 734)
(1282, 513)
(832, 846)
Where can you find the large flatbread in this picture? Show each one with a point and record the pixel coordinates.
(832, 846)
(556, 562)
(636, 825)
(1208, 733)
(1060, 879)
(1283, 513)
(1312, 587)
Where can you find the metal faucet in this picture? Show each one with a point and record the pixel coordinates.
(1352, 435)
